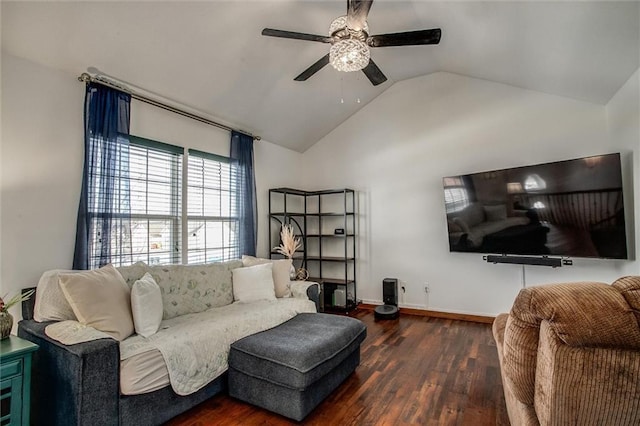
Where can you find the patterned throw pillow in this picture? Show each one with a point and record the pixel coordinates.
(51, 305)
(133, 273)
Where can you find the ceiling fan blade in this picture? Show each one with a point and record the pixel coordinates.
(373, 73)
(313, 68)
(297, 36)
(357, 12)
(409, 38)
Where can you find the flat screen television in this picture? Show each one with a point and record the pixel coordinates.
(571, 208)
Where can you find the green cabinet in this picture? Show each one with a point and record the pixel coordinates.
(15, 380)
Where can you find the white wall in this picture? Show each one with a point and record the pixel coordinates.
(396, 150)
(41, 171)
(41, 166)
(278, 167)
(623, 119)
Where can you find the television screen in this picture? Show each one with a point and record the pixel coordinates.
(571, 208)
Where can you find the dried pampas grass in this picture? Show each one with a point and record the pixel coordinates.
(290, 243)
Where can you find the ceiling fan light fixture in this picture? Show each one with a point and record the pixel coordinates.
(340, 23)
(350, 41)
(349, 55)
(337, 24)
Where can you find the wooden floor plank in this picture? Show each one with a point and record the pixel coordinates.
(414, 371)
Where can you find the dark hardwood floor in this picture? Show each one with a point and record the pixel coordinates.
(413, 371)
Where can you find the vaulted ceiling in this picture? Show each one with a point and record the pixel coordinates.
(210, 56)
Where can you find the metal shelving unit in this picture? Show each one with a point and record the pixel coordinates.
(329, 257)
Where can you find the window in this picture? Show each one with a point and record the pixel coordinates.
(455, 194)
(154, 234)
(211, 213)
(155, 173)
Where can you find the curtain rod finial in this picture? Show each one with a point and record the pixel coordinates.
(84, 77)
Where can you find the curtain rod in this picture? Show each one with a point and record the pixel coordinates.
(86, 78)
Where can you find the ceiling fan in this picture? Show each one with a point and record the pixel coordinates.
(350, 42)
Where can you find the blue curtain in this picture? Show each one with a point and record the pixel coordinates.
(244, 188)
(103, 226)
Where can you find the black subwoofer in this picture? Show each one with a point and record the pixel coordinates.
(390, 298)
(390, 291)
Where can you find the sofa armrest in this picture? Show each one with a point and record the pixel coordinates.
(72, 385)
(585, 385)
(308, 289)
(28, 305)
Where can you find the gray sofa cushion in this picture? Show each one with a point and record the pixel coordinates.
(300, 351)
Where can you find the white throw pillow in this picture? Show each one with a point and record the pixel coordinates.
(52, 305)
(146, 305)
(281, 271)
(253, 283)
(100, 299)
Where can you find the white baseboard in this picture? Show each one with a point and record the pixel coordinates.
(434, 309)
(400, 305)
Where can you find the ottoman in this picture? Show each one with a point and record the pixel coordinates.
(291, 368)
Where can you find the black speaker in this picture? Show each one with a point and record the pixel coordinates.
(390, 298)
(526, 260)
(390, 291)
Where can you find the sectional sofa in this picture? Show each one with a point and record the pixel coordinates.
(108, 374)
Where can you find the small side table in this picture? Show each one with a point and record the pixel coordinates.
(15, 380)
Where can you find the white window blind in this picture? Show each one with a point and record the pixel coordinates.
(156, 201)
(211, 216)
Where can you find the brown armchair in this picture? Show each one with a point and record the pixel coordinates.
(570, 354)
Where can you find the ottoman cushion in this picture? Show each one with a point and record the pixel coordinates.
(299, 352)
